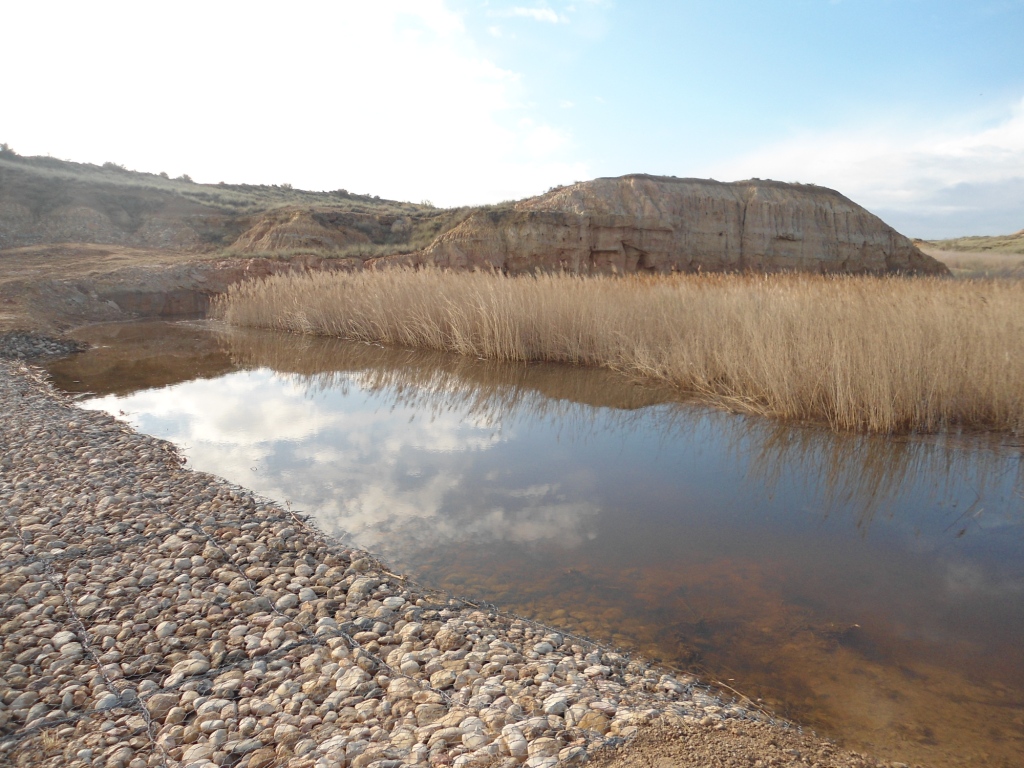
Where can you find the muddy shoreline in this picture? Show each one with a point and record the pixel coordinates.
(153, 615)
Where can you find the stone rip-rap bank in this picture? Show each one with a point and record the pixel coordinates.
(155, 616)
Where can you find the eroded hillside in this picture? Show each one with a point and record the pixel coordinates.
(47, 201)
(642, 223)
(81, 242)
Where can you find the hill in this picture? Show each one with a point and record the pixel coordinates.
(83, 243)
(996, 256)
(626, 224)
(44, 200)
(980, 244)
(662, 224)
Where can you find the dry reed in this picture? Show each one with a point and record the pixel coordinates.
(866, 353)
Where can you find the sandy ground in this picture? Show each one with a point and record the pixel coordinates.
(24, 270)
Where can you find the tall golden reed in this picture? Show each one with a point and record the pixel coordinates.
(866, 353)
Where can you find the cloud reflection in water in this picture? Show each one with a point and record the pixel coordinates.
(382, 473)
(406, 451)
(750, 543)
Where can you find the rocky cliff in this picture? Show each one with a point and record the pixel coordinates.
(643, 223)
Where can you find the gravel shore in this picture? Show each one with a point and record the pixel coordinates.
(25, 345)
(151, 615)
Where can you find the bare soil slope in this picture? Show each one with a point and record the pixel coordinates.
(46, 201)
(56, 287)
(82, 243)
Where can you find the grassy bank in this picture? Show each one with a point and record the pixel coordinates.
(864, 353)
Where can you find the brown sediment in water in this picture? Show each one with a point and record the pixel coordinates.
(732, 624)
(127, 357)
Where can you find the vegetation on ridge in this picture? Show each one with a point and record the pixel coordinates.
(997, 256)
(49, 200)
(996, 243)
(863, 353)
(51, 174)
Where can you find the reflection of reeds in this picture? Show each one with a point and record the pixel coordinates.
(417, 377)
(864, 473)
(877, 354)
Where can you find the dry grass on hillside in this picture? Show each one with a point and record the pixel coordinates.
(981, 244)
(868, 353)
(984, 264)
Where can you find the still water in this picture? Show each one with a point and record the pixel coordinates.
(871, 588)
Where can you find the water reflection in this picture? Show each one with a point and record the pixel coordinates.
(865, 474)
(862, 474)
(127, 357)
(869, 586)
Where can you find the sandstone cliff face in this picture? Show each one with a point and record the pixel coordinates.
(642, 223)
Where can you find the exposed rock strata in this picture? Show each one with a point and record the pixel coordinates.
(656, 224)
(154, 616)
(322, 230)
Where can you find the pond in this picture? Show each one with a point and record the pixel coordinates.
(871, 588)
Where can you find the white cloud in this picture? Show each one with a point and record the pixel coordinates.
(537, 14)
(907, 171)
(395, 479)
(542, 140)
(394, 99)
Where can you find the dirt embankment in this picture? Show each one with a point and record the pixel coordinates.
(81, 243)
(44, 201)
(54, 288)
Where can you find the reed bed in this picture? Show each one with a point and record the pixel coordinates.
(858, 353)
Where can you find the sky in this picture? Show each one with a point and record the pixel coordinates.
(912, 108)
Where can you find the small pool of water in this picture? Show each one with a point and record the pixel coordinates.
(869, 587)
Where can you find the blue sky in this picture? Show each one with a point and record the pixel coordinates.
(913, 108)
